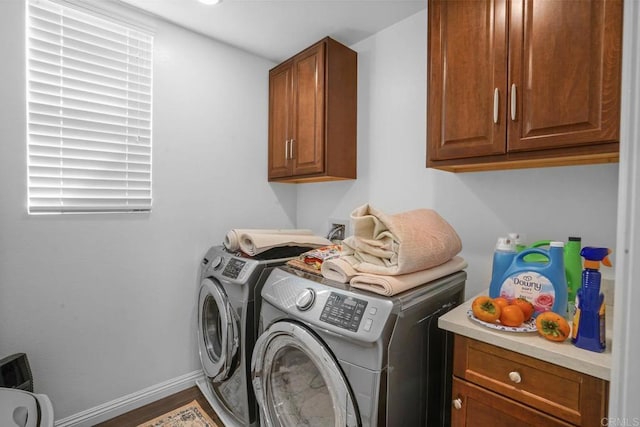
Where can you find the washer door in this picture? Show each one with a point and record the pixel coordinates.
(297, 381)
(217, 331)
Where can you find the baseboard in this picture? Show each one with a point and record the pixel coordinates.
(124, 404)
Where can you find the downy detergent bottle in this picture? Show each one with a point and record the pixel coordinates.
(502, 257)
(589, 321)
(544, 284)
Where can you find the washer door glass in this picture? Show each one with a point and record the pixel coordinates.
(298, 382)
(217, 332)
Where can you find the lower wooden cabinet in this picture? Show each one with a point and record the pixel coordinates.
(476, 406)
(497, 387)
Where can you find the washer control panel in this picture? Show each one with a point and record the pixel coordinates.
(316, 302)
(343, 311)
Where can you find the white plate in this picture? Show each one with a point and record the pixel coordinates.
(528, 326)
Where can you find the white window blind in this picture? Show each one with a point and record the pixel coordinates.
(89, 112)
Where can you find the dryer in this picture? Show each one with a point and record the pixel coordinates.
(228, 310)
(334, 356)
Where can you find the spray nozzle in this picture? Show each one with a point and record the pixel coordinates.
(594, 256)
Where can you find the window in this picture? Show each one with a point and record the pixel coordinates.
(88, 112)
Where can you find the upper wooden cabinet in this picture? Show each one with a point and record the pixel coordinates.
(523, 83)
(312, 115)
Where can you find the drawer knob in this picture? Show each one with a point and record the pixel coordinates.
(457, 403)
(515, 377)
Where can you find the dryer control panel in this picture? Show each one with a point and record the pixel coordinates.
(233, 268)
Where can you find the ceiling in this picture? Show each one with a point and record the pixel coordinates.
(278, 29)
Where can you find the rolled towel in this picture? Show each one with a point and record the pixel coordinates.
(254, 244)
(392, 285)
(232, 239)
(337, 269)
(399, 244)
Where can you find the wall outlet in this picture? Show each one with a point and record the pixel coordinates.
(339, 229)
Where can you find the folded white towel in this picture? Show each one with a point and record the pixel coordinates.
(399, 244)
(338, 269)
(253, 244)
(391, 285)
(232, 239)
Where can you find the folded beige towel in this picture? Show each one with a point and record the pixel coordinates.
(391, 285)
(232, 239)
(338, 269)
(399, 244)
(253, 244)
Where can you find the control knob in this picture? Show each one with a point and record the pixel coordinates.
(305, 299)
(216, 262)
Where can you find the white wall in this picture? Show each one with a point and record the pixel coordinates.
(549, 203)
(104, 305)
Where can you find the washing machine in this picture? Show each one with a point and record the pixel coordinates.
(228, 310)
(330, 355)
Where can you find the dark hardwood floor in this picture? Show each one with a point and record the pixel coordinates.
(155, 409)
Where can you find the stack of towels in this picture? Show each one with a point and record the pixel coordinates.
(255, 241)
(389, 254)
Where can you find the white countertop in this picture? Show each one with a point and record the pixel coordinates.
(532, 344)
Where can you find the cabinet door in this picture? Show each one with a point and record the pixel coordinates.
(564, 63)
(280, 120)
(308, 121)
(467, 78)
(474, 406)
(574, 397)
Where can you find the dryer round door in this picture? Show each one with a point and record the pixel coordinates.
(217, 331)
(297, 381)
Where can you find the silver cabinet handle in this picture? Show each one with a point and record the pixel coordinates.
(293, 141)
(457, 403)
(514, 98)
(496, 104)
(515, 377)
(286, 149)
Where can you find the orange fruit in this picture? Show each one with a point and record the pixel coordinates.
(526, 307)
(511, 315)
(501, 301)
(484, 309)
(553, 326)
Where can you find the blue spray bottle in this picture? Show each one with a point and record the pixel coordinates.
(589, 320)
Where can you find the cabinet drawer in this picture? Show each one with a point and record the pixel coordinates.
(572, 396)
(478, 407)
